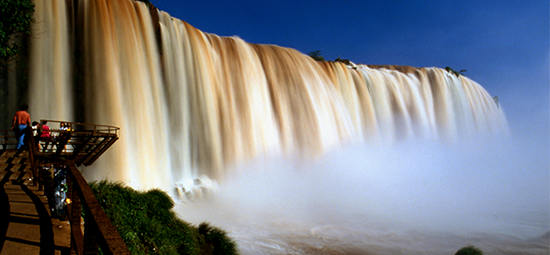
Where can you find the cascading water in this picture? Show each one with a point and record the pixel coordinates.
(196, 103)
(50, 67)
(193, 105)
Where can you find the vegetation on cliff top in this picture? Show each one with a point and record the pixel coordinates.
(457, 73)
(148, 225)
(316, 55)
(469, 250)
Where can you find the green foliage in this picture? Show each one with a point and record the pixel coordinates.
(217, 241)
(495, 98)
(346, 62)
(450, 70)
(469, 250)
(148, 225)
(316, 55)
(15, 20)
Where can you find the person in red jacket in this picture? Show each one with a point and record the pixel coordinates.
(21, 121)
(45, 134)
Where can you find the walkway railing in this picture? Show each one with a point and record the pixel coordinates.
(7, 139)
(82, 143)
(98, 229)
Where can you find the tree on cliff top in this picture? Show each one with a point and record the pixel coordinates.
(316, 55)
(15, 20)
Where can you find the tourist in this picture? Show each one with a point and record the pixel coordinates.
(45, 132)
(45, 135)
(35, 128)
(36, 133)
(21, 120)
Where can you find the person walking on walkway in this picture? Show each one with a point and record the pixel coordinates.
(21, 121)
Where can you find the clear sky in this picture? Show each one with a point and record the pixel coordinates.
(503, 45)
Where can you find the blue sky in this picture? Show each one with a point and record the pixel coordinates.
(503, 45)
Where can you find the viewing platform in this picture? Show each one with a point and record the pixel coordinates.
(42, 192)
(81, 143)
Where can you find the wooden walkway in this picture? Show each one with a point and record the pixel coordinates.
(29, 228)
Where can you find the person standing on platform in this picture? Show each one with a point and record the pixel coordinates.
(45, 134)
(35, 126)
(21, 121)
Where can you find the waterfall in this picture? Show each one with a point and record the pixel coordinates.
(50, 85)
(190, 104)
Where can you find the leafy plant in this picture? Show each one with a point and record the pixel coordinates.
(15, 20)
(450, 70)
(495, 98)
(346, 62)
(469, 250)
(316, 55)
(147, 224)
(216, 240)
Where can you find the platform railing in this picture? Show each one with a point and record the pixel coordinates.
(7, 139)
(83, 143)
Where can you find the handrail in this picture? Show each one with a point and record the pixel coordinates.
(32, 156)
(6, 139)
(98, 229)
(77, 126)
(81, 124)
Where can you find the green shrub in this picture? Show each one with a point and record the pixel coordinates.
(316, 55)
(469, 250)
(147, 224)
(16, 18)
(457, 73)
(217, 242)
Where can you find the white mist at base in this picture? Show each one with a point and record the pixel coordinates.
(413, 198)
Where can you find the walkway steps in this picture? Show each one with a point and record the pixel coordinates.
(26, 226)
